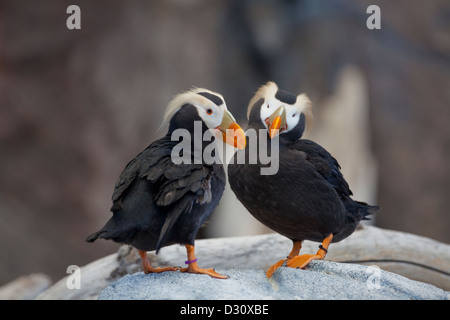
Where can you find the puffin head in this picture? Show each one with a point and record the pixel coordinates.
(204, 105)
(281, 112)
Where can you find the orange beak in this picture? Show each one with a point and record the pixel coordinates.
(275, 127)
(232, 133)
(276, 121)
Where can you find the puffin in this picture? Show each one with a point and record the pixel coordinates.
(307, 198)
(160, 200)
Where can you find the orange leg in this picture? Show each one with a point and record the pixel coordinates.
(303, 260)
(294, 252)
(194, 268)
(148, 268)
(296, 261)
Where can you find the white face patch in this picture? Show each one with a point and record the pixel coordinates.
(292, 116)
(292, 113)
(267, 108)
(211, 114)
(301, 107)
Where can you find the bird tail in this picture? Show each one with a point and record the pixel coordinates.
(365, 210)
(359, 210)
(124, 236)
(95, 236)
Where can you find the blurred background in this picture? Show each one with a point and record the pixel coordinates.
(77, 105)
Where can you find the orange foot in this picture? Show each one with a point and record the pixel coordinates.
(194, 268)
(274, 267)
(149, 269)
(300, 262)
(296, 247)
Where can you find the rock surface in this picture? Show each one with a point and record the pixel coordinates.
(409, 255)
(321, 280)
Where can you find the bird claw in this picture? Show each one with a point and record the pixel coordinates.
(209, 272)
(297, 262)
(274, 267)
(300, 262)
(148, 269)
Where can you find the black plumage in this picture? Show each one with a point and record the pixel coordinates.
(286, 97)
(307, 199)
(157, 203)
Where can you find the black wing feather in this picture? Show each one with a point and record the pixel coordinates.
(329, 169)
(178, 186)
(325, 164)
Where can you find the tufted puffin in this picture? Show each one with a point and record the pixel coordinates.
(308, 197)
(157, 201)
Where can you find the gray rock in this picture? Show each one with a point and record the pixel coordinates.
(414, 257)
(321, 280)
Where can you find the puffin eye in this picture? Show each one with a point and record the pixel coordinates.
(268, 106)
(209, 111)
(293, 116)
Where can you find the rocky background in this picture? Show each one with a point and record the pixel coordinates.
(77, 105)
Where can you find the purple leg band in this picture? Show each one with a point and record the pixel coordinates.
(189, 262)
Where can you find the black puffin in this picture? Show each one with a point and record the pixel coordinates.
(158, 201)
(307, 198)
